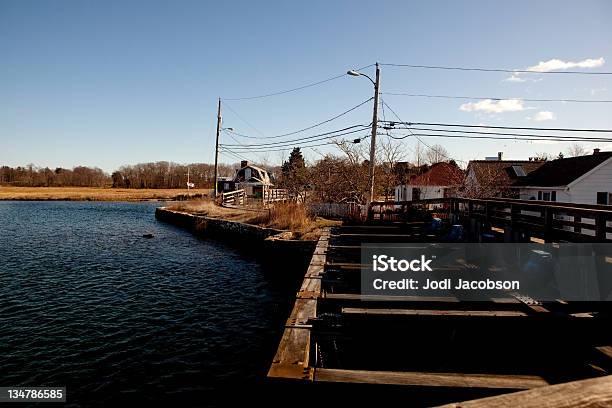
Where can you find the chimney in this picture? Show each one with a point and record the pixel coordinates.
(244, 163)
(499, 155)
(596, 151)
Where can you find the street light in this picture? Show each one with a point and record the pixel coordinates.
(352, 72)
(374, 124)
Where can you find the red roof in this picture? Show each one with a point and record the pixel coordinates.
(440, 174)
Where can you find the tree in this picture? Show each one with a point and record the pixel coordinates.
(576, 150)
(436, 154)
(294, 176)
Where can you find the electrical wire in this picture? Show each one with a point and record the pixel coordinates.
(328, 135)
(294, 89)
(558, 139)
(419, 139)
(497, 99)
(504, 127)
(586, 138)
(286, 148)
(512, 71)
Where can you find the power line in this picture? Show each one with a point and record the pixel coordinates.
(323, 136)
(540, 139)
(242, 119)
(419, 139)
(504, 134)
(294, 89)
(497, 99)
(311, 126)
(512, 71)
(503, 127)
(286, 148)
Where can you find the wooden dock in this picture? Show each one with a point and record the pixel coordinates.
(335, 334)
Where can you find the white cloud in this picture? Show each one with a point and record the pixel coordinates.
(491, 106)
(514, 78)
(544, 115)
(559, 65)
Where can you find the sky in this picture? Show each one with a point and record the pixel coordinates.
(109, 83)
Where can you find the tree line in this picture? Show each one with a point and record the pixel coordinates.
(144, 175)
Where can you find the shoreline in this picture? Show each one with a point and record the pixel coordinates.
(98, 194)
(268, 243)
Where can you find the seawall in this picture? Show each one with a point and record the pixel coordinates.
(267, 243)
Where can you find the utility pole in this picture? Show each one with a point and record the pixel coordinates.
(217, 147)
(374, 129)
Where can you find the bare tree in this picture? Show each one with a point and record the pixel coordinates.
(576, 149)
(391, 153)
(436, 154)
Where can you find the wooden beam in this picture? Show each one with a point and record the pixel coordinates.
(424, 379)
(292, 359)
(591, 393)
(436, 313)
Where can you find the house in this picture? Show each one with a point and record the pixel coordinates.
(495, 177)
(253, 179)
(580, 180)
(441, 180)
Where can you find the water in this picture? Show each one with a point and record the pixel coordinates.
(86, 302)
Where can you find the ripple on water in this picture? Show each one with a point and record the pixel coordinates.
(87, 303)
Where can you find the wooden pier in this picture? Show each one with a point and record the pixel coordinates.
(509, 343)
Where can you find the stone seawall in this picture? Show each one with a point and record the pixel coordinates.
(267, 242)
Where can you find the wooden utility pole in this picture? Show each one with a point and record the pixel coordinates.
(374, 129)
(217, 148)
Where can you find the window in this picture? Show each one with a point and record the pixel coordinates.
(247, 174)
(518, 170)
(603, 197)
(539, 195)
(416, 193)
(546, 196)
(553, 196)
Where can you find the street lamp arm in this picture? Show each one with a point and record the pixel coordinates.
(357, 73)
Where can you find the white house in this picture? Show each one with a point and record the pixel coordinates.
(441, 180)
(580, 180)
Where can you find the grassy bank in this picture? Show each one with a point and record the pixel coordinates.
(93, 193)
(291, 217)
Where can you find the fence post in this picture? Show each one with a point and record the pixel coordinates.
(600, 227)
(548, 224)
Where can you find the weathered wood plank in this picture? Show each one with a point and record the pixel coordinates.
(591, 393)
(383, 298)
(292, 359)
(429, 379)
(428, 312)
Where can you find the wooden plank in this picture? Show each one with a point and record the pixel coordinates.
(418, 299)
(293, 354)
(427, 312)
(605, 350)
(384, 298)
(424, 379)
(292, 359)
(591, 393)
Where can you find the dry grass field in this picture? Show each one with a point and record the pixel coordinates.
(93, 193)
(290, 216)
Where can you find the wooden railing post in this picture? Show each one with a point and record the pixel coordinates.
(548, 224)
(600, 227)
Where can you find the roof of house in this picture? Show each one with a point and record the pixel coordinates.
(440, 174)
(502, 172)
(561, 172)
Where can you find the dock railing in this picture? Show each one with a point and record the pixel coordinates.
(275, 195)
(549, 221)
(237, 197)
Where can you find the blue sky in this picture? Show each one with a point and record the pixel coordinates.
(106, 83)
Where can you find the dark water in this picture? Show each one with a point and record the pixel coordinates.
(87, 302)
